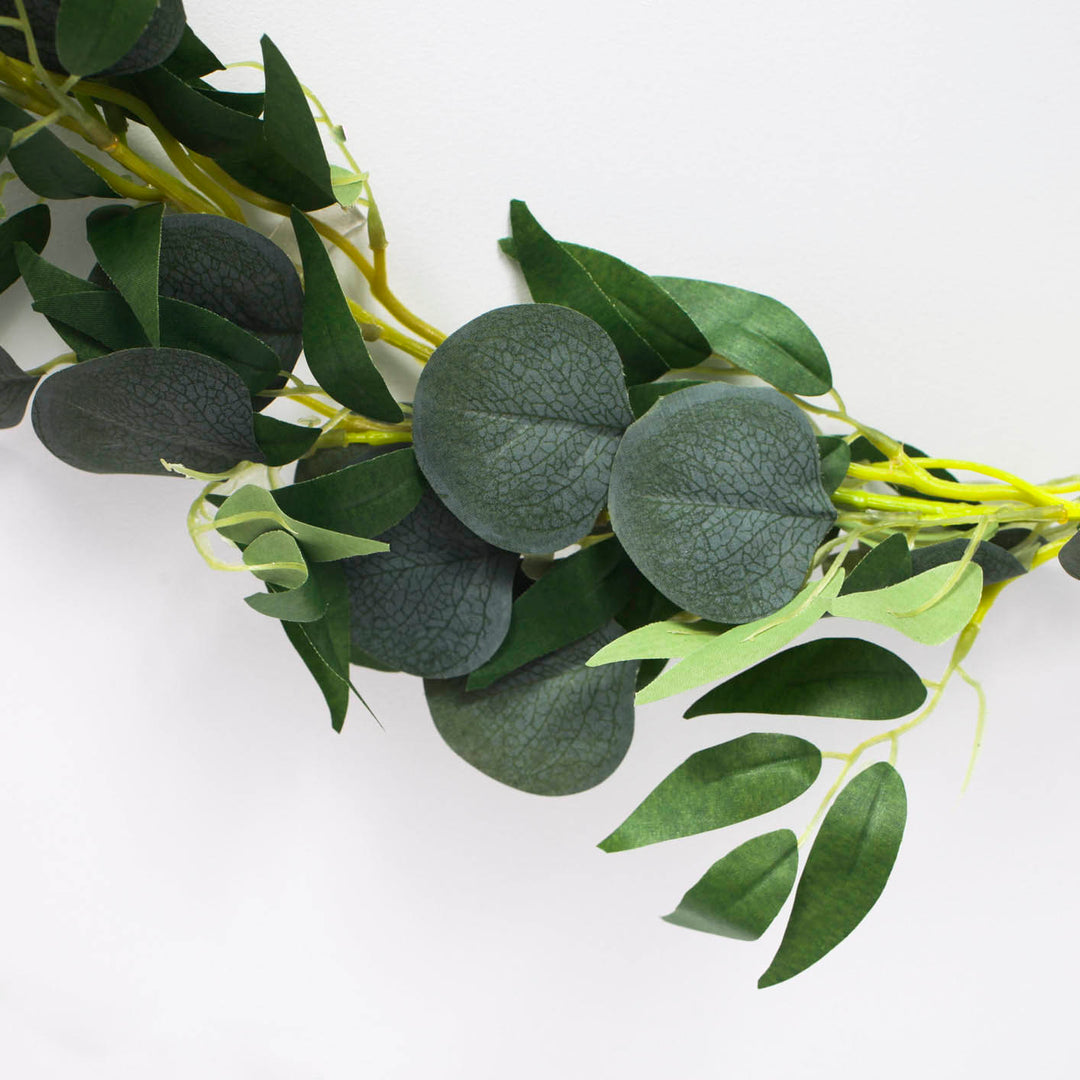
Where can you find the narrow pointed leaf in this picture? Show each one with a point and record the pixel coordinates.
(554, 276)
(996, 563)
(30, 226)
(282, 442)
(577, 596)
(846, 870)
(333, 342)
(127, 244)
(16, 388)
(553, 727)
(97, 316)
(191, 59)
(725, 784)
(835, 458)
(127, 411)
(827, 677)
(516, 420)
(91, 36)
(274, 556)
(756, 333)
(892, 606)
(887, 564)
(741, 894)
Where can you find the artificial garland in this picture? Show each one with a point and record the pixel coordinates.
(625, 473)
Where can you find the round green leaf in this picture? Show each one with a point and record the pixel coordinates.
(828, 677)
(126, 411)
(438, 603)
(716, 495)
(553, 727)
(516, 420)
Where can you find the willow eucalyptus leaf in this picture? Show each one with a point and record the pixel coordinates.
(16, 388)
(305, 603)
(997, 564)
(577, 596)
(887, 564)
(282, 442)
(725, 784)
(274, 556)
(516, 420)
(846, 870)
(438, 604)
(31, 227)
(97, 317)
(127, 411)
(756, 333)
(835, 459)
(898, 606)
(741, 894)
(725, 478)
(827, 677)
(553, 727)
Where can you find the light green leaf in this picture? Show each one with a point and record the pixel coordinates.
(828, 677)
(846, 870)
(743, 892)
(725, 478)
(259, 513)
(891, 606)
(348, 185)
(515, 423)
(756, 333)
(274, 556)
(725, 784)
(302, 604)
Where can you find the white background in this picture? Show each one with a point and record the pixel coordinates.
(201, 880)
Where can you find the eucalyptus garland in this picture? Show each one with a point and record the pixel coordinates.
(615, 494)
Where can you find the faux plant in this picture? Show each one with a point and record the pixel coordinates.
(618, 493)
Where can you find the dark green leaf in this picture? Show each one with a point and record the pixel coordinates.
(644, 395)
(835, 459)
(282, 442)
(553, 727)
(6, 135)
(846, 870)
(997, 563)
(1009, 539)
(46, 166)
(554, 276)
(91, 36)
(516, 420)
(31, 227)
(98, 317)
(191, 59)
(127, 244)
(743, 892)
(887, 564)
(329, 459)
(725, 478)
(15, 390)
(126, 411)
(646, 307)
(755, 333)
(333, 342)
(828, 677)
(577, 596)
(1069, 556)
(720, 786)
(302, 604)
(364, 499)
(438, 604)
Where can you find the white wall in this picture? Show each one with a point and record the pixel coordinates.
(201, 880)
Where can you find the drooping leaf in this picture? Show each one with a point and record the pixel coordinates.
(644, 395)
(835, 458)
(577, 596)
(30, 226)
(91, 36)
(516, 419)
(259, 513)
(46, 166)
(553, 727)
(282, 442)
(893, 606)
(554, 276)
(438, 604)
(126, 411)
(725, 784)
(887, 564)
(741, 894)
(127, 244)
(305, 603)
(997, 563)
(719, 656)
(725, 478)
(15, 390)
(364, 499)
(755, 333)
(1069, 556)
(846, 870)
(333, 342)
(274, 556)
(827, 677)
